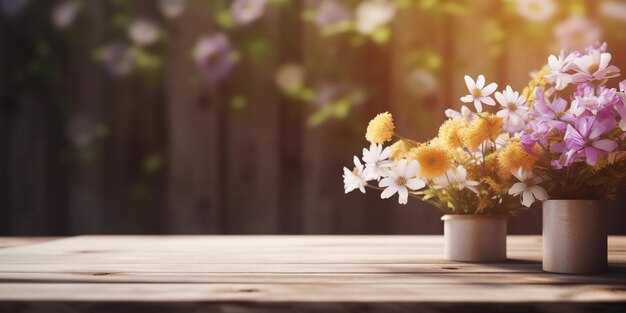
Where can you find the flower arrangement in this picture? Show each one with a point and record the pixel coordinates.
(576, 127)
(563, 137)
(467, 169)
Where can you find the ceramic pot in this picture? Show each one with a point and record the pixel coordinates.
(575, 236)
(475, 238)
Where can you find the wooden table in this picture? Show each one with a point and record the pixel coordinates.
(291, 273)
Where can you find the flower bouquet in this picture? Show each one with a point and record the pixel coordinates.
(466, 171)
(576, 130)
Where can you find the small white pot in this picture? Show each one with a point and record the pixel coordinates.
(475, 238)
(574, 236)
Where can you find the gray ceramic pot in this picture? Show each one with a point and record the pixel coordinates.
(475, 238)
(574, 236)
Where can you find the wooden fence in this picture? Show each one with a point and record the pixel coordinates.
(260, 170)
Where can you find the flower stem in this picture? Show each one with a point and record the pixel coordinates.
(407, 141)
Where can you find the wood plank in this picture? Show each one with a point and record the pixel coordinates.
(194, 131)
(295, 270)
(86, 196)
(309, 292)
(253, 169)
(310, 307)
(9, 242)
(451, 275)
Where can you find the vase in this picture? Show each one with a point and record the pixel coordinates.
(574, 236)
(475, 238)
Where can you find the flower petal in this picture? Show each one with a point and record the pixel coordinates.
(489, 89)
(470, 83)
(385, 182)
(517, 189)
(605, 144)
(388, 192)
(415, 183)
(478, 105)
(501, 99)
(480, 82)
(539, 193)
(592, 156)
(527, 198)
(487, 101)
(412, 169)
(403, 195)
(467, 99)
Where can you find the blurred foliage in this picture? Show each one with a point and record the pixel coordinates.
(39, 38)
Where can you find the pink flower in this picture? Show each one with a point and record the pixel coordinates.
(594, 66)
(584, 139)
(554, 114)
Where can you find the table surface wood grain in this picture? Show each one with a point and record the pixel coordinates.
(291, 273)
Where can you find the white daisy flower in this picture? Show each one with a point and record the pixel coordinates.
(400, 180)
(513, 106)
(354, 179)
(558, 68)
(479, 93)
(370, 15)
(143, 32)
(64, 13)
(377, 161)
(172, 8)
(528, 188)
(465, 114)
(536, 10)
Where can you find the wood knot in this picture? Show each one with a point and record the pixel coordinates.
(102, 274)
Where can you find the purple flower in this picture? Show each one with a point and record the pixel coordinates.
(528, 142)
(620, 105)
(584, 139)
(119, 58)
(213, 57)
(586, 103)
(554, 114)
(11, 8)
(247, 11)
(599, 46)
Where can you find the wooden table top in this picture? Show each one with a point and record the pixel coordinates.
(287, 273)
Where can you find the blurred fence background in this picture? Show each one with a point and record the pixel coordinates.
(236, 117)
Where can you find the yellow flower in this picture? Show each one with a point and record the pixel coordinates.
(494, 185)
(433, 160)
(512, 157)
(483, 127)
(400, 148)
(450, 133)
(380, 129)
